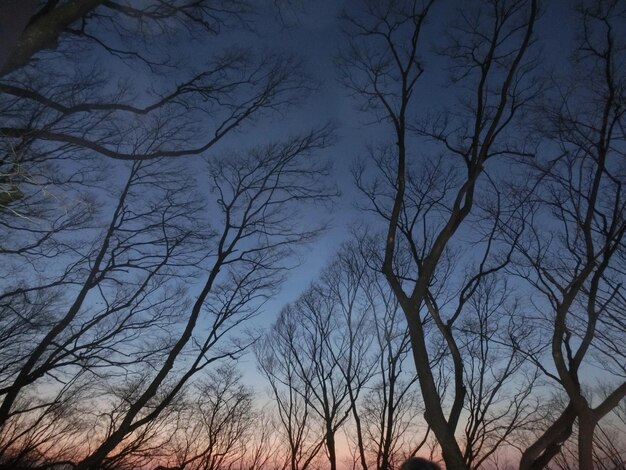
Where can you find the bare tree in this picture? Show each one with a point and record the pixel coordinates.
(265, 448)
(70, 324)
(500, 380)
(608, 448)
(61, 106)
(346, 285)
(292, 395)
(327, 348)
(424, 212)
(50, 430)
(110, 314)
(217, 421)
(38, 27)
(390, 411)
(257, 197)
(328, 352)
(339, 351)
(573, 253)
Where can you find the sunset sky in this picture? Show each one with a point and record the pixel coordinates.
(164, 183)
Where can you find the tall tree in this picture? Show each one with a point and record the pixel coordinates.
(573, 255)
(291, 393)
(388, 418)
(257, 196)
(424, 211)
(110, 325)
(125, 329)
(328, 357)
(81, 315)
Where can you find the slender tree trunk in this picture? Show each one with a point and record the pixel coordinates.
(330, 445)
(389, 429)
(359, 433)
(294, 462)
(586, 428)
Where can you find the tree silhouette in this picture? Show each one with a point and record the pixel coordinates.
(424, 210)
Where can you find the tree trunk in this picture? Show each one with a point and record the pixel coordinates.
(43, 33)
(586, 427)
(330, 445)
(359, 433)
(537, 456)
(434, 416)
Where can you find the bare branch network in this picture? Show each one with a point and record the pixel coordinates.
(162, 180)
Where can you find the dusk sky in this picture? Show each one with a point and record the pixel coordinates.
(240, 235)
